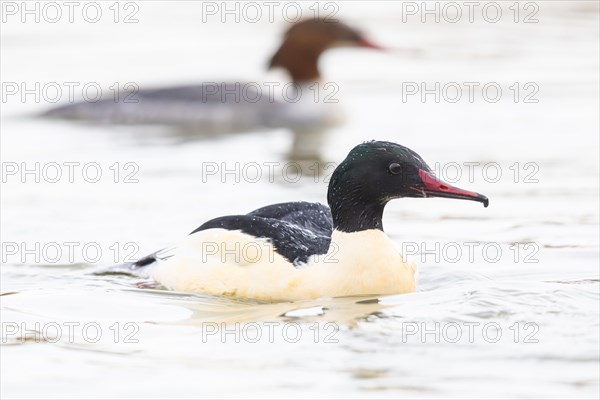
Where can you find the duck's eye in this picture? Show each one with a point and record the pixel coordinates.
(395, 168)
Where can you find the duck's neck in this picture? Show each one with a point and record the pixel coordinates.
(355, 215)
(302, 63)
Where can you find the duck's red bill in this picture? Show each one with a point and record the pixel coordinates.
(433, 187)
(370, 45)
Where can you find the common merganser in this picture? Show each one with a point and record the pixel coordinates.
(211, 108)
(300, 250)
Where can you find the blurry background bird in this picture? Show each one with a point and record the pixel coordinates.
(302, 104)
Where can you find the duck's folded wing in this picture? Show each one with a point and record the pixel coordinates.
(297, 230)
(315, 217)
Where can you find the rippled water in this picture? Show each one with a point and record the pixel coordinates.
(528, 321)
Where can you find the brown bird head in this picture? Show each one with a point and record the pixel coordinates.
(306, 40)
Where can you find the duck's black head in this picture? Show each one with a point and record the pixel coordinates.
(377, 172)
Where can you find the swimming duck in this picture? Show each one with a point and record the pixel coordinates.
(213, 108)
(301, 250)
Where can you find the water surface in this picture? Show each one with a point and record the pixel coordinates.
(528, 322)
